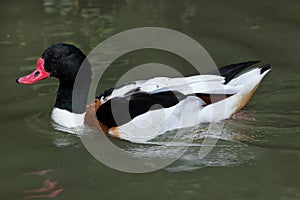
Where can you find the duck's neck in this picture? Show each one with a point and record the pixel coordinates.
(69, 101)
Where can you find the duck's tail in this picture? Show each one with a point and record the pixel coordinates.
(249, 83)
(253, 76)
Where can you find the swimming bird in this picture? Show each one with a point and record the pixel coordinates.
(143, 109)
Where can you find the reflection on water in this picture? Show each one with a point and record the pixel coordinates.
(41, 123)
(62, 7)
(49, 189)
(235, 146)
(232, 149)
(92, 20)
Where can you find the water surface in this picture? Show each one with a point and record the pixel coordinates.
(254, 160)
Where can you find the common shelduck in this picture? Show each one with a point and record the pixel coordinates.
(144, 109)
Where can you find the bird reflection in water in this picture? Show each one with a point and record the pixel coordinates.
(49, 189)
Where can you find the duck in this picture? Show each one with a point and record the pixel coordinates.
(144, 109)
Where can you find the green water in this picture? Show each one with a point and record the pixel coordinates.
(264, 163)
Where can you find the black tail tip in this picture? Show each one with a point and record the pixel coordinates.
(265, 68)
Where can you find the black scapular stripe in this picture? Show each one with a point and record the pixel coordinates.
(230, 71)
(120, 110)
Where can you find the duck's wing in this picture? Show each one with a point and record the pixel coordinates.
(208, 84)
(214, 82)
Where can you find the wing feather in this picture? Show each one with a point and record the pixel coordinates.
(210, 84)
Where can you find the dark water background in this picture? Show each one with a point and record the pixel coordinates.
(264, 165)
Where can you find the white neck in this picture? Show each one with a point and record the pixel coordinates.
(66, 118)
